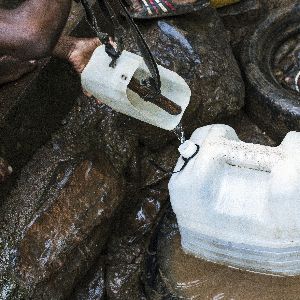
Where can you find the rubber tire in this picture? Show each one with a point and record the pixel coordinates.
(275, 109)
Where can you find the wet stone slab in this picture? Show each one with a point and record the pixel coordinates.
(58, 219)
(128, 245)
(241, 19)
(182, 276)
(92, 286)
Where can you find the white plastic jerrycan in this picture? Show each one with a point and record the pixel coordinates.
(237, 203)
(110, 85)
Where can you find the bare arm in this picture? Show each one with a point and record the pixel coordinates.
(32, 30)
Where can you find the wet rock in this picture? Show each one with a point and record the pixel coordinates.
(274, 4)
(58, 219)
(79, 261)
(194, 46)
(248, 131)
(158, 165)
(241, 19)
(67, 232)
(129, 243)
(92, 287)
(182, 276)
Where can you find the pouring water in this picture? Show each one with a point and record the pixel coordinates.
(178, 130)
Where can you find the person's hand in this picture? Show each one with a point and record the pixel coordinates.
(82, 51)
(81, 54)
(77, 51)
(12, 68)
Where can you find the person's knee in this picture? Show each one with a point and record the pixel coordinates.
(13, 68)
(36, 43)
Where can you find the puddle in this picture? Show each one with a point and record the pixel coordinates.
(182, 276)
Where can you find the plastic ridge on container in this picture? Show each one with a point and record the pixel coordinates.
(238, 204)
(110, 85)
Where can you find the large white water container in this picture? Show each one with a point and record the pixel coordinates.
(110, 85)
(237, 203)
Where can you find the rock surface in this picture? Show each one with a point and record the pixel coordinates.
(241, 19)
(92, 287)
(274, 4)
(58, 219)
(128, 245)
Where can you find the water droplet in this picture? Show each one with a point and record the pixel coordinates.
(179, 133)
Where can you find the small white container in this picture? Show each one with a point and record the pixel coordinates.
(110, 86)
(239, 204)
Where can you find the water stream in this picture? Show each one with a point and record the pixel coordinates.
(179, 133)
